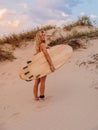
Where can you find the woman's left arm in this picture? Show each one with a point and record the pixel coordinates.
(47, 56)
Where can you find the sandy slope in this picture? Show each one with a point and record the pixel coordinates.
(71, 95)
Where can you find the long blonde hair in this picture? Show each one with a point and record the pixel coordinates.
(38, 40)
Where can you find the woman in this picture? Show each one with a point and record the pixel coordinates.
(41, 46)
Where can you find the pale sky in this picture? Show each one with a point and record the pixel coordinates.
(23, 15)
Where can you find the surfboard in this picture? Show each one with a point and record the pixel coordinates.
(39, 67)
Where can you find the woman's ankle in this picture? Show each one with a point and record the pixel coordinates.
(36, 98)
(42, 98)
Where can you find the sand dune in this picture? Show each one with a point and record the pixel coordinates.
(71, 94)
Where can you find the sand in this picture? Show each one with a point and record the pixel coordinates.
(71, 95)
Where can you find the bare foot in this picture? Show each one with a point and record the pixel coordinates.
(36, 99)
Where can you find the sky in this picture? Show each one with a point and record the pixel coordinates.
(18, 16)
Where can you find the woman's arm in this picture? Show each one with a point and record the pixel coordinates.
(48, 58)
(48, 47)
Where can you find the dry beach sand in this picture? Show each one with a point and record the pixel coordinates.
(71, 94)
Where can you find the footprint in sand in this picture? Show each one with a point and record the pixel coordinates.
(94, 85)
(96, 88)
(42, 105)
(3, 73)
(14, 116)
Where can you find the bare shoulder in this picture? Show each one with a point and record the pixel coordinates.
(43, 46)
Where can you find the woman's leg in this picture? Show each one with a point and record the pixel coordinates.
(42, 86)
(35, 89)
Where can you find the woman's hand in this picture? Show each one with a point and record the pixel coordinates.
(52, 68)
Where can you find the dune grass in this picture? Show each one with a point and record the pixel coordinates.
(82, 21)
(16, 39)
(6, 55)
(73, 39)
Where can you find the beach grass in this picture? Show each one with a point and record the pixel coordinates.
(72, 39)
(16, 39)
(6, 55)
(82, 21)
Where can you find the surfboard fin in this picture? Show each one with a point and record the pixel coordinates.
(28, 62)
(25, 67)
(31, 76)
(28, 80)
(27, 73)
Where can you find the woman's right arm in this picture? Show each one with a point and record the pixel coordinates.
(48, 58)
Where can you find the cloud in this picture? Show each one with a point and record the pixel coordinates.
(57, 3)
(48, 16)
(15, 23)
(10, 23)
(46, 10)
(3, 12)
(82, 13)
(24, 5)
(8, 18)
(49, 3)
(6, 13)
(62, 5)
(60, 23)
(64, 14)
(25, 14)
(56, 9)
(93, 16)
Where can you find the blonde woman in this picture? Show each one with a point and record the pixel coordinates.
(41, 46)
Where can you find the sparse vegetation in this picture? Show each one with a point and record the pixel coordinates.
(15, 39)
(82, 21)
(92, 61)
(5, 55)
(73, 39)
